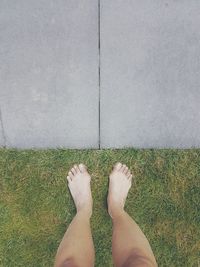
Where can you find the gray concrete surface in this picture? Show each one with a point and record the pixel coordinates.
(150, 73)
(49, 73)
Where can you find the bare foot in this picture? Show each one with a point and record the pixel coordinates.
(120, 181)
(79, 185)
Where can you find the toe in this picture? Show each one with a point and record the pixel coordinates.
(68, 179)
(128, 173)
(126, 170)
(73, 171)
(123, 168)
(76, 168)
(70, 174)
(130, 177)
(118, 166)
(82, 167)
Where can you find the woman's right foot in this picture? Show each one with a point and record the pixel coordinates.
(120, 180)
(79, 185)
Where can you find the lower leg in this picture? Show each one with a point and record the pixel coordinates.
(130, 247)
(76, 248)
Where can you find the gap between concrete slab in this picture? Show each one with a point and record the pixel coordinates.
(99, 50)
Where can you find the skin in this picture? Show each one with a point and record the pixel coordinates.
(130, 247)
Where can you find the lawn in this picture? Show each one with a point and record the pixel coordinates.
(36, 206)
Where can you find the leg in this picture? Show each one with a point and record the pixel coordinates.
(130, 247)
(76, 248)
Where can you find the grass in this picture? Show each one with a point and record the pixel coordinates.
(36, 206)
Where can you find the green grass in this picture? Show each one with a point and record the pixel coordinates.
(36, 206)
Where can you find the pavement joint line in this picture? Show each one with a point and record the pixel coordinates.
(99, 69)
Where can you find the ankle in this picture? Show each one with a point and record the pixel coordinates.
(115, 211)
(84, 212)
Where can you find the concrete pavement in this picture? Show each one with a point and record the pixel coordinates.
(150, 73)
(49, 73)
(146, 94)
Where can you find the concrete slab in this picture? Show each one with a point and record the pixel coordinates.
(49, 73)
(150, 73)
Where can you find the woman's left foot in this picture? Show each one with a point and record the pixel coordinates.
(79, 185)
